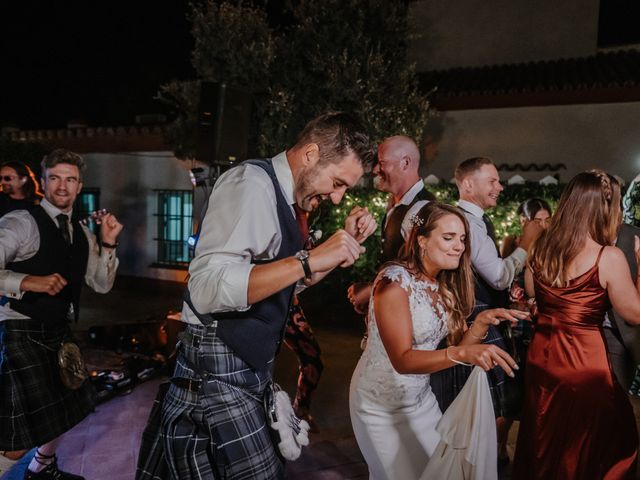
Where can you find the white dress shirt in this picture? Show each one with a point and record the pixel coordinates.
(20, 240)
(406, 199)
(497, 272)
(241, 224)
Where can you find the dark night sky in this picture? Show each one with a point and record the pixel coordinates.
(100, 61)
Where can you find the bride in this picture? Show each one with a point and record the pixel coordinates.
(424, 296)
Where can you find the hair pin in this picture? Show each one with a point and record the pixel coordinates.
(416, 220)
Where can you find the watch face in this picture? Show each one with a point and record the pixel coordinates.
(302, 255)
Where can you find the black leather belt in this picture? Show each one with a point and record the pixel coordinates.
(191, 384)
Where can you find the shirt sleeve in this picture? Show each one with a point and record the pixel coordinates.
(241, 224)
(497, 272)
(101, 265)
(19, 240)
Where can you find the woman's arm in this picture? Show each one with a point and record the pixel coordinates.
(509, 244)
(477, 332)
(393, 318)
(529, 288)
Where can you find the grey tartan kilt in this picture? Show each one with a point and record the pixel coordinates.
(219, 431)
(35, 407)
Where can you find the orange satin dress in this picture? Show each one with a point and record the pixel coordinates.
(577, 421)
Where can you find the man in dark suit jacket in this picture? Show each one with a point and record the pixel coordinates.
(396, 172)
(623, 340)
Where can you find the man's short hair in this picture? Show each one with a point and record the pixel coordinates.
(338, 134)
(470, 166)
(62, 155)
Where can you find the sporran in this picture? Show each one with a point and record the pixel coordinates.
(289, 432)
(73, 372)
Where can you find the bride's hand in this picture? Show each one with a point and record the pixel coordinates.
(485, 356)
(497, 315)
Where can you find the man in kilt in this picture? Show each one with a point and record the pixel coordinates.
(248, 261)
(479, 186)
(44, 260)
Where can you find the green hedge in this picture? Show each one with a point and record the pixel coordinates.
(330, 218)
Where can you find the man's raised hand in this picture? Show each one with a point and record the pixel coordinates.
(360, 224)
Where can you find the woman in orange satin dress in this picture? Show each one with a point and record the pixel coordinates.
(577, 421)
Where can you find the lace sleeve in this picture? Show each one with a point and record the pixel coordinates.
(395, 274)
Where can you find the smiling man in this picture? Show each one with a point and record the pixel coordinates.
(248, 261)
(19, 190)
(44, 260)
(479, 187)
(396, 173)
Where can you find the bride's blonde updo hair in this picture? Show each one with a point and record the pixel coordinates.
(589, 208)
(456, 286)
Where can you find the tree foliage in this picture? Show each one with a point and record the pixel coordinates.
(331, 55)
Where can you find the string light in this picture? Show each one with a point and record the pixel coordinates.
(330, 218)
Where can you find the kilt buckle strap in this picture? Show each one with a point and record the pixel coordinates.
(191, 384)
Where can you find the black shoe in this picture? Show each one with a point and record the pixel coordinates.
(51, 472)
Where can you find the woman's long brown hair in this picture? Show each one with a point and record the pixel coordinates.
(454, 286)
(589, 208)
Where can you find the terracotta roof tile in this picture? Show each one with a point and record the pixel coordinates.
(609, 76)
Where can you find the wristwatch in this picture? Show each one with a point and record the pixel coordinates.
(303, 256)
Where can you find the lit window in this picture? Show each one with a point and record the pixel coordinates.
(175, 226)
(87, 202)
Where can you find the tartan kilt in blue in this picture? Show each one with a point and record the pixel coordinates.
(446, 384)
(35, 407)
(219, 431)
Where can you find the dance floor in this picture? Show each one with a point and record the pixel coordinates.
(105, 445)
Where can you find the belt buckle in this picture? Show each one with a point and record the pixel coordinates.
(190, 384)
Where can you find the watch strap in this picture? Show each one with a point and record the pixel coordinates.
(303, 256)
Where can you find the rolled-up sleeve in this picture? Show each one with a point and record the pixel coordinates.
(241, 224)
(19, 240)
(497, 272)
(101, 265)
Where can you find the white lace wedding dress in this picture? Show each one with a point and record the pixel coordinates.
(394, 416)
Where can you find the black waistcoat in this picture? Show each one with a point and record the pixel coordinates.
(486, 295)
(255, 334)
(391, 235)
(53, 256)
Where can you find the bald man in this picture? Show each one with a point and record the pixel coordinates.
(396, 172)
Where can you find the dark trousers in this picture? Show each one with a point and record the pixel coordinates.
(621, 362)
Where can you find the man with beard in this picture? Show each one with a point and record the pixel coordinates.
(19, 188)
(248, 261)
(396, 172)
(44, 260)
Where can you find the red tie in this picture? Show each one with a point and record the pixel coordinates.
(303, 225)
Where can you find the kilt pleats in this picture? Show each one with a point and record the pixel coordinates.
(35, 407)
(219, 431)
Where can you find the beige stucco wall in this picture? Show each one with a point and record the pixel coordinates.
(580, 136)
(127, 182)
